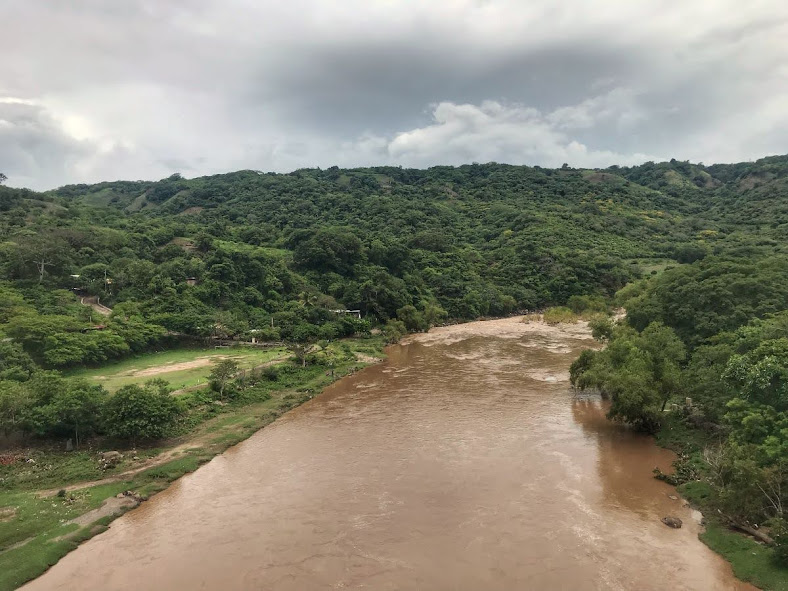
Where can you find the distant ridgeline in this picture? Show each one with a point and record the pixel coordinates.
(273, 256)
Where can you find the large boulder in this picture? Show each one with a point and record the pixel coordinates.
(110, 459)
(671, 521)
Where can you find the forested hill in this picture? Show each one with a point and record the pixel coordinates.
(696, 254)
(272, 254)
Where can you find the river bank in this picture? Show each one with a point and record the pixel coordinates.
(750, 559)
(461, 461)
(51, 501)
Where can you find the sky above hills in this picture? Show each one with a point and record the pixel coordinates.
(93, 90)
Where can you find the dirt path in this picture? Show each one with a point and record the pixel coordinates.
(93, 302)
(110, 506)
(194, 364)
(162, 458)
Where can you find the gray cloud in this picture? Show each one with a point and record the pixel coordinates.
(32, 144)
(91, 90)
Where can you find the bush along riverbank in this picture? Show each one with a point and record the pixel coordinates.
(51, 500)
(701, 362)
(751, 548)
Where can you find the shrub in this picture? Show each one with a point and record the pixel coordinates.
(394, 331)
(142, 412)
(559, 315)
(780, 535)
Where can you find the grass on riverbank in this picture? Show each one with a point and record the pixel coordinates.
(751, 561)
(183, 368)
(34, 528)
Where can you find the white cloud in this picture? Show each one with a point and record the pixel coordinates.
(504, 133)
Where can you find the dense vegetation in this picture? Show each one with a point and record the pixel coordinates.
(271, 256)
(700, 249)
(708, 342)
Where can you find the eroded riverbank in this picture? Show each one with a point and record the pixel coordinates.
(461, 462)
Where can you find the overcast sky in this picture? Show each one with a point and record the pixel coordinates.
(95, 90)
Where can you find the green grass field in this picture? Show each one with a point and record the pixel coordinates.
(182, 368)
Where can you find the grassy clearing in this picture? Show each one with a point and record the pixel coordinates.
(169, 365)
(279, 253)
(653, 266)
(40, 523)
(559, 315)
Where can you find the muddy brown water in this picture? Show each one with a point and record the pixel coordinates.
(464, 461)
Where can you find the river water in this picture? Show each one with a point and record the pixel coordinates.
(463, 461)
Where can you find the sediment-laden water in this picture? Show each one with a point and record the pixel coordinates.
(462, 462)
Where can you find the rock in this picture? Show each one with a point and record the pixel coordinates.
(671, 521)
(110, 459)
(673, 497)
(69, 445)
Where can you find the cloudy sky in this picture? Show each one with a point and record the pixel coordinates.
(95, 90)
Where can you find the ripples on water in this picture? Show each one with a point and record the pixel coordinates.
(462, 462)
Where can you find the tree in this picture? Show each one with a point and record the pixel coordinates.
(667, 352)
(301, 350)
(15, 364)
(221, 374)
(67, 349)
(601, 327)
(78, 409)
(3, 178)
(394, 331)
(762, 375)
(142, 412)
(329, 249)
(15, 400)
(639, 372)
(45, 252)
(413, 319)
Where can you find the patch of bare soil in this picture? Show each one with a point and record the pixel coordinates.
(7, 514)
(183, 365)
(111, 506)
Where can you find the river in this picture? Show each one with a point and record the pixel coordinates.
(463, 461)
